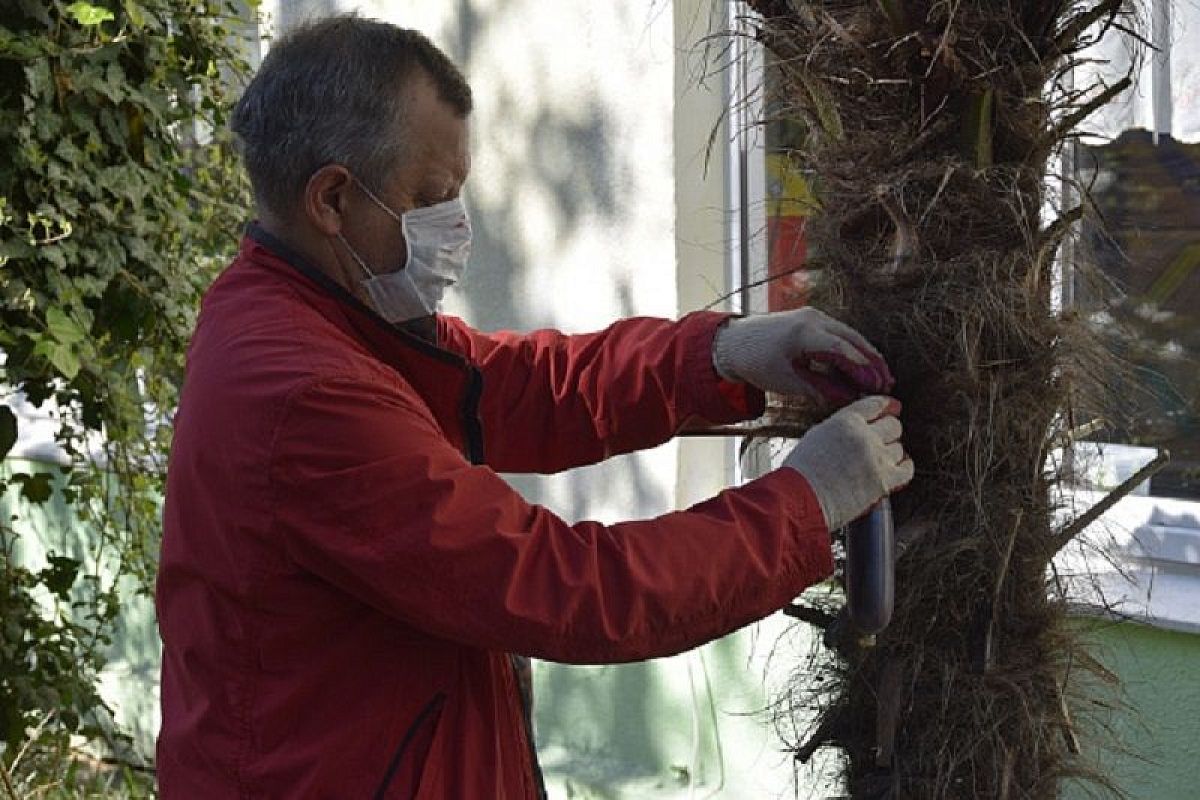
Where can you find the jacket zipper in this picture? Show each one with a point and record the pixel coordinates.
(472, 427)
(430, 708)
(526, 705)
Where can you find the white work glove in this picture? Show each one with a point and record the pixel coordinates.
(800, 352)
(853, 459)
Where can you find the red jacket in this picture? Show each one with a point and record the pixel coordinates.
(343, 572)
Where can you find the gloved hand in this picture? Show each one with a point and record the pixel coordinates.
(854, 458)
(803, 351)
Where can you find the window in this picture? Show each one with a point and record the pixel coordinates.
(1143, 170)
(1142, 164)
(773, 194)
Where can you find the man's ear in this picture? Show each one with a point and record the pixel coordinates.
(327, 197)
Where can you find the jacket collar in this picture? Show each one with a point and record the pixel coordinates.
(379, 334)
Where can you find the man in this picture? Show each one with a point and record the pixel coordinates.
(344, 577)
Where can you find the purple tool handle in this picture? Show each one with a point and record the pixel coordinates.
(870, 569)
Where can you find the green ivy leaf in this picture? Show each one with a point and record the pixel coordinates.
(88, 14)
(35, 488)
(37, 391)
(63, 357)
(135, 13)
(8, 430)
(36, 11)
(59, 577)
(62, 327)
(38, 82)
(94, 226)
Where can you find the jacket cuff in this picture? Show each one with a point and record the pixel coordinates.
(716, 400)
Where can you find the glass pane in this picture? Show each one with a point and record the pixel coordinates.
(789, 199)
(1149, 197)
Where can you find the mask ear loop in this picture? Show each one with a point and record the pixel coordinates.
(403, 220)
(398, 218)
(386, 209)
(354, 254)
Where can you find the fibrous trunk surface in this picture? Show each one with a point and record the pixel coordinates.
(930, 130)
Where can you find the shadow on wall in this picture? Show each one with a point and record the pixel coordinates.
(573, 164)
(601, 722)
(576, 167)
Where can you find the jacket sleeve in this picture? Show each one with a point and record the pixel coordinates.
(552, 401)
(370, 497)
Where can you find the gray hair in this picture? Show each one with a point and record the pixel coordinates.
(330, 92)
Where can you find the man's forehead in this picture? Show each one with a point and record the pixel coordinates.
(425, 103)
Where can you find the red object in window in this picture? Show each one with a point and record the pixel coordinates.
(785, 263)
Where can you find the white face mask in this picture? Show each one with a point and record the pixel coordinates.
(438, 241)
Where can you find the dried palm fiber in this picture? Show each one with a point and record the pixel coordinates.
(930, 127)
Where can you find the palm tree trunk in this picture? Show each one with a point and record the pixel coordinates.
(930, 127)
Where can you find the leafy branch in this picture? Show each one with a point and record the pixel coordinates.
(112, 220)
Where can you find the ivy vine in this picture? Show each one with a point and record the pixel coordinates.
(120, 197)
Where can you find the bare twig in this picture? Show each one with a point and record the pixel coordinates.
(1080, 114)
(949, 173)
(1001, 572)
(1075, 434)
(1070, 34)
(113, 761)
(1055, 231)
(1068, 727)
(9, 789)
(813, 616)
(58, 237)
(825, 733)
(1006, 774)
(31, 737)
(781, 430)
(933, 130)
(810, 265)
(840, 31)
(904, 242)
(1095, 512)
(887, 712)
(897, 16)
